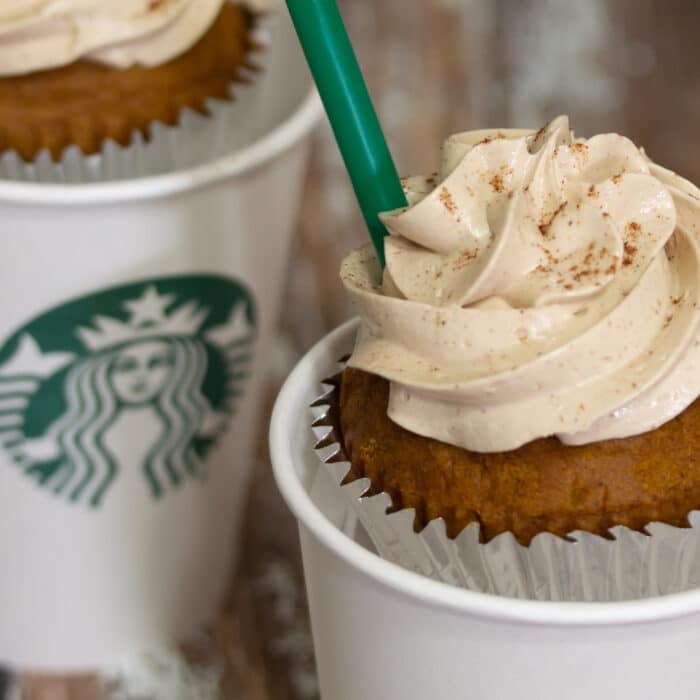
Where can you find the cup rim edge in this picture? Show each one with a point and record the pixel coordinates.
(275, 142)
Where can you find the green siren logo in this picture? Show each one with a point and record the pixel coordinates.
(142, 377)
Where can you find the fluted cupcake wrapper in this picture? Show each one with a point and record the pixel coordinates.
(581, 567)
(196, 138)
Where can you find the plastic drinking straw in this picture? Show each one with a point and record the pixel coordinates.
(350, 111)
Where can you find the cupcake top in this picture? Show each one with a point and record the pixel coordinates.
(538, 284)
(42, 34)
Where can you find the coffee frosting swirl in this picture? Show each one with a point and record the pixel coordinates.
(538, 285)
(41, 34)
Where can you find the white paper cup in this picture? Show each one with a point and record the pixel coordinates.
(381, 631)
(133, 330)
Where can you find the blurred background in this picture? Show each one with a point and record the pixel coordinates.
(434, 67)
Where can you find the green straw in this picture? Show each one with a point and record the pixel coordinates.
(350, 111)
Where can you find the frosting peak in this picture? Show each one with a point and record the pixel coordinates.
(537, 285)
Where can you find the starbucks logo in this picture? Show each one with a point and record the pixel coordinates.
(142, 377)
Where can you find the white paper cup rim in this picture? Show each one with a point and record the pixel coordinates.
(412, 585)
(248, 158)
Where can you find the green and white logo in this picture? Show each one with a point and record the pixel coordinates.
(140, 377)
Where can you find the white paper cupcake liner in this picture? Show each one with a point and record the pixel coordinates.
(195, 140)
(582, 567)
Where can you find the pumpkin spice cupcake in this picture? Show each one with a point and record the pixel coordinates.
(78, 76)
(544, 486)
(527, 363)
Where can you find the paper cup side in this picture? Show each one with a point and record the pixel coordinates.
(81, 585)
(372, 642)
(382, 631)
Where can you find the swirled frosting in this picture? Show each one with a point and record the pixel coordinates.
(538, 285)
(41, 34)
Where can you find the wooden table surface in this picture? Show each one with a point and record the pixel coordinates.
(434, 67)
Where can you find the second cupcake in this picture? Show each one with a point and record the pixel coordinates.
(73, 76)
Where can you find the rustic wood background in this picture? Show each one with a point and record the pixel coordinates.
(434, 67)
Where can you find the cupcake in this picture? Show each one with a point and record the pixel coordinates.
(527, 361)
(78, 76)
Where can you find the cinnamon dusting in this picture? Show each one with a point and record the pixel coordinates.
(630, 252)
(496, 183)
(448, 202)
(544, 226)
(464, 259)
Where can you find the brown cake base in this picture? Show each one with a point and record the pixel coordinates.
(85, 103)
(544, 486)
